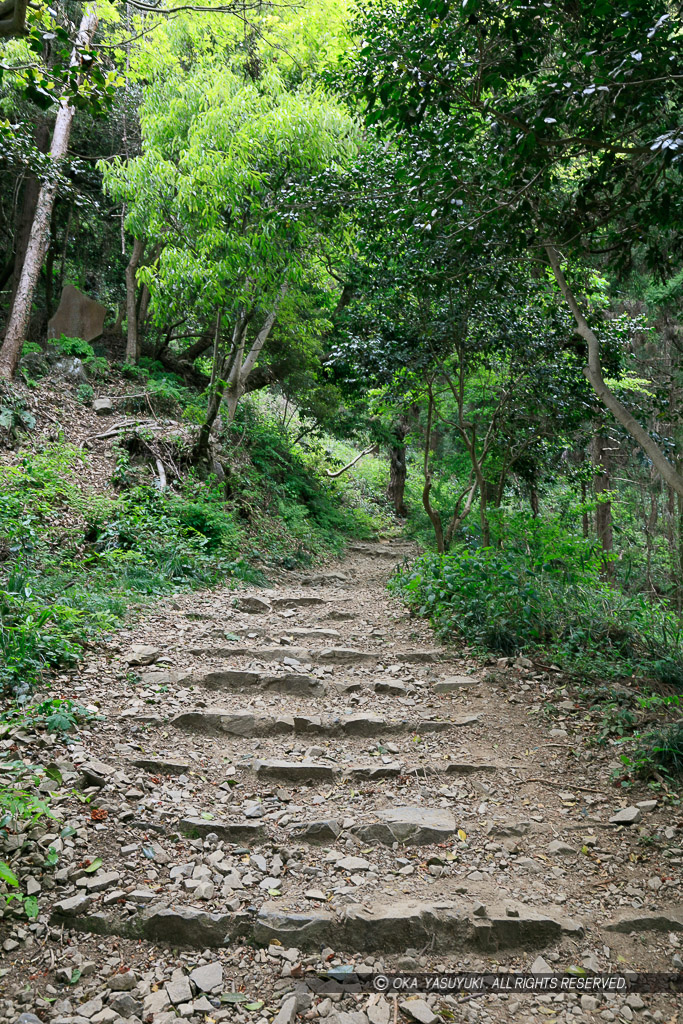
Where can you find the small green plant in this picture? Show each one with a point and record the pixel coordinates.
(85, 393)
(614, 723)
(74, 347)
(57, 715)
(657, 753)
(14, 416)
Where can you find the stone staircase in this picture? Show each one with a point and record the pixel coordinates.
(272, 792)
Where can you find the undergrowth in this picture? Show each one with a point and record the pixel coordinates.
(541, 593)
(74, 561)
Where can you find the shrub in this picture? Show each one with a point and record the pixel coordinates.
(74, 347)
(508, 600)
(658, 752)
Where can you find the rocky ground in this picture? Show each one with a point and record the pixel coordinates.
(279, 784)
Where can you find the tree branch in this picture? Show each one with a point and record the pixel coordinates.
(593, 374)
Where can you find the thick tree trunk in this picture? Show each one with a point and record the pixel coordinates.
(398, 471)
(593, 374)
(13, 18)
(17, 326)
(132, 340)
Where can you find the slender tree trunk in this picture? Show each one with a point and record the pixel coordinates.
(593, 373)
(216, 389)
(601, 487)
(533, 499)
(434, 515)
(17, 326)
(398, 468)
(584, 514)
(49, 273)
(132, 340)
(240, 370)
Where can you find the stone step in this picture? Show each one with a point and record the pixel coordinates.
(309, 601)
(247, 723)
(296, 684)
(279, 629)
(409, 825)
(320, 655)
(308, 771)
(443, 927)
(396, 554)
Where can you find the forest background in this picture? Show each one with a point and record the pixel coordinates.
(446, 237)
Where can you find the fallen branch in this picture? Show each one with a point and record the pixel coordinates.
(373, 449)
(119, 428)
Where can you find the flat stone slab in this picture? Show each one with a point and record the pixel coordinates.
(253, 605)
(394, 927)
(298, 602)
(232, 723)
(344, 656)
(319, 655)
(385, 928)
(162, 766)
(626, 816)
(295, 771)
(298, 685)
(417, 826)
(375, 771)
(229, 831)
(666, 920)
(248, 724)
(455, 684)
(325, 831)
(469, 767)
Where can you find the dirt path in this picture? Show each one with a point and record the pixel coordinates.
(307, 781)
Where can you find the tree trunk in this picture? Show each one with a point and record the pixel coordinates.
(593, 374)
(17, 326)
(398, 469)
(397, 479)
(132, 341)
(602, 486)
(240, 370)
(533, 499)
(218, 380)
(585, 525)
(434, 515)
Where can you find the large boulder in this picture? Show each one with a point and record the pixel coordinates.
(77, 316)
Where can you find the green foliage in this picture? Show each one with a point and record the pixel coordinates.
(112, 552)
(657, 753)
(85, 394)
(77, 561)
(20, 808)
(73, 347)
(541, 591)
(55, 715)
(15, 418)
